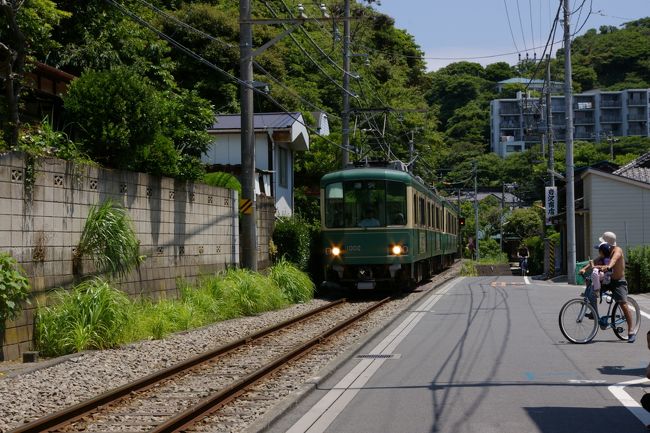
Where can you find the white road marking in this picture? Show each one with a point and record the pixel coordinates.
(323, 413)
(526, 280)
(586, 381)
(631, 404)
(644, 314)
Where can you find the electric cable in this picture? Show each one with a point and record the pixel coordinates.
(521, 26)
(211, 65)
(512, 34)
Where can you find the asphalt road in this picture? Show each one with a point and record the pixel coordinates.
(483, 355)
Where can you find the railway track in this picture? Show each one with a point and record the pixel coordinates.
(176, 398)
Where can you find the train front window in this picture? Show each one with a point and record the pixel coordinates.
(365, 203)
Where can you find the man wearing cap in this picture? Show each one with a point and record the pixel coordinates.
(619, 286)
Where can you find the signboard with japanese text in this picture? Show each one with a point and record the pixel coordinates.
(551, 203)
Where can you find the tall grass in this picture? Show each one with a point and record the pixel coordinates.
(95, 316)
(294, 284)
(109, 240)
(91, 316)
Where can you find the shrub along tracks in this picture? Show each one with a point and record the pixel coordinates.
(178, 396)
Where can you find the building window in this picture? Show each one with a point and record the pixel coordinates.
(283, 163)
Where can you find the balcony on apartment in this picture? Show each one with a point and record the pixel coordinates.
(638, 129)
(637, 99)
(585, 133)
(584, 118)
(509, 123)
(611, 117)
(638, 114)
(509, 109)
(610, 100)
(583, 103)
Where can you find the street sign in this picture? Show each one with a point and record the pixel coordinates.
(246, 206)
(551, 203)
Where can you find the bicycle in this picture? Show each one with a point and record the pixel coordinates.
(523, 265)
(579, 320)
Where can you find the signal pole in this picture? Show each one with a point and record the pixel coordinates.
(345, 116)
(249, 228)
(570, 193)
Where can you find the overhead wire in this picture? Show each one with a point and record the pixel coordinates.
(521, 26)
(306, 53)
(211, 65)
(532, 27)
(512, 34)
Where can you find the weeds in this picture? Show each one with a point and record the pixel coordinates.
(109, 240)
(95, 316)
(296, 285)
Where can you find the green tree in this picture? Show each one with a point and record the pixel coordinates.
(523, 223)
(123, 121)
(25, 30)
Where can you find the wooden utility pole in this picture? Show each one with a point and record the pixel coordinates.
(570, 193)
(249, 228)
(476, 225)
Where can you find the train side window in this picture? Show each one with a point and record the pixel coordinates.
(396, 203)
(423, 219)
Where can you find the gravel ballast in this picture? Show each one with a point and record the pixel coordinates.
(27, 395)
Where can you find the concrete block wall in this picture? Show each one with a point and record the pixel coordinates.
(265, 218)
(185, 229)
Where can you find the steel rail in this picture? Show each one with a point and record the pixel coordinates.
(73, 413)
(213, 403)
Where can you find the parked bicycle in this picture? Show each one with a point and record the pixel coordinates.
(579, 319)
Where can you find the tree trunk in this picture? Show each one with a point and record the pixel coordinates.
(15, 68)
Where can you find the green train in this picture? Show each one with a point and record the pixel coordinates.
(383, 226)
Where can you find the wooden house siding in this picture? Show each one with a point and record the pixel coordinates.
(620, 206)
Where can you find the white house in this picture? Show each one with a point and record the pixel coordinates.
(617, 202)
(277, 137)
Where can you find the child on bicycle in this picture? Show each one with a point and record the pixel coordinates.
(598, 277)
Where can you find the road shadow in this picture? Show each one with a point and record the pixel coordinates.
(584, 420)
(619, 370)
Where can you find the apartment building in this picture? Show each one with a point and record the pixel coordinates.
(517, 124)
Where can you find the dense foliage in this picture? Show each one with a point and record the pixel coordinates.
(292, 239)
(94, 315)
(14, 289)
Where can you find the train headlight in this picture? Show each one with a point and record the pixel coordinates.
(336, 251)
(397, 250)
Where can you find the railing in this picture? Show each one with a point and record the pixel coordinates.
(606, 119)
(583, 121)
(610, 103)
(637, 117)
(637, 131)
(509, 111)
(509, 125)
(637, 101)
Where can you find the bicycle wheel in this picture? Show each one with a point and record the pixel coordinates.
(575, 326)
(619, 322)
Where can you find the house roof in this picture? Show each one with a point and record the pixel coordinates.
(261, 121)
(639, 169)
(293, 123)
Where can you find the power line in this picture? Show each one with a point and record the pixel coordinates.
(306, 53)
(512, 34)
(521, 26)
(532, 27)
(185, 25)
(551, 37)
(211, 65)
(292, 91)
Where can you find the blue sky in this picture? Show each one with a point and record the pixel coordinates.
(469, 28)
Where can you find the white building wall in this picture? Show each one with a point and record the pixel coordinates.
(619, 207)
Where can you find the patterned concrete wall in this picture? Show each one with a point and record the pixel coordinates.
(265, 217)
(185, 229)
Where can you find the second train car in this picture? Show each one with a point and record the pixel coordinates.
(383, 226)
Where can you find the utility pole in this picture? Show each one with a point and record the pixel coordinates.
(570, 193)
(345, 116)
(412, 152)
(478, 254)
(249, 228)
(503, 208)
(549, 121)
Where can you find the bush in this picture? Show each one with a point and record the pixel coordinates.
(469, 269)
(294, 284)
(91, 316)
(292, 239)
(638, 259)
(14, 289)
(223, 180)
(109, 240)
(535, 246)
(489, 248)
